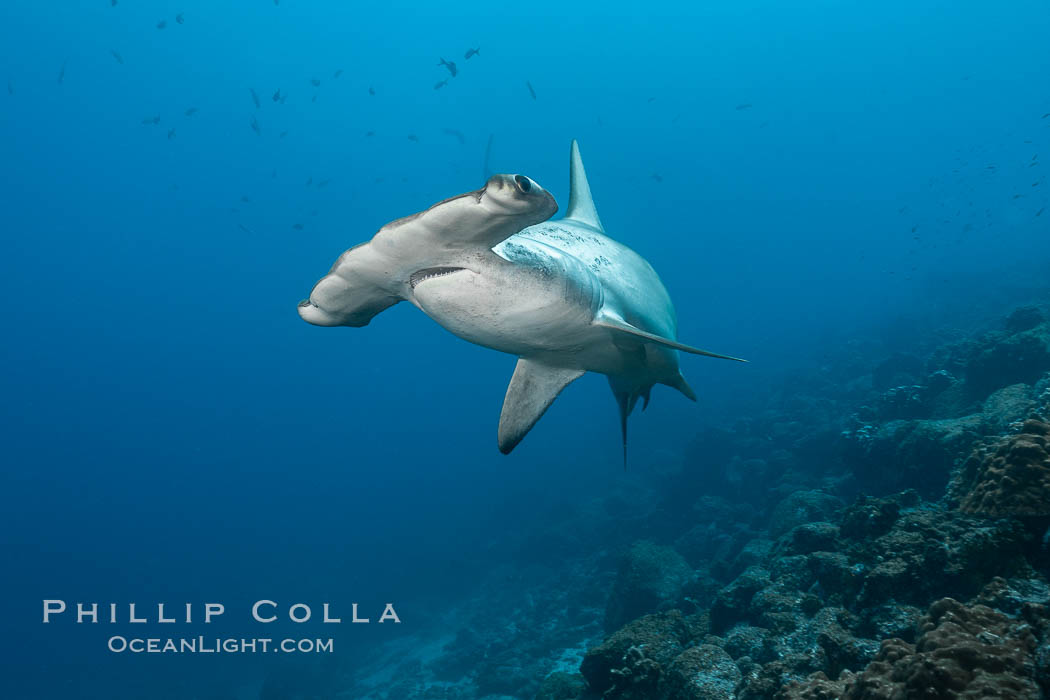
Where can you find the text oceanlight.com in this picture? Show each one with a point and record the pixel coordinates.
(203, 645)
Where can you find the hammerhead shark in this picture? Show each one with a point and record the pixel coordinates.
(489, 267)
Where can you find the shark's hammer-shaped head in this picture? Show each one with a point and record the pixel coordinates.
(519, 197)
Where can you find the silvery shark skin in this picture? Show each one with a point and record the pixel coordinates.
(490, 268)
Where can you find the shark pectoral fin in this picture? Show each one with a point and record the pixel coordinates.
(618, 324)
(348, 294)
(532, 390)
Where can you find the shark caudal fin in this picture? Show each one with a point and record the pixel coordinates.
(619, 325)
(532, 390)
(581, 204)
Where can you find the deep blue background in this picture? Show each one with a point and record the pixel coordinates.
(172, 431)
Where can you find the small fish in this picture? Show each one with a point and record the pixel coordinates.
(315, 82)
(650, 100)
(744, 105)
(255, 98)
(62, 72)
(277, 95)
(440, 84)
(413, 137)
(297, 227)
(452, 132)
(310, 181)
(450, 65)
(180, 19)
(337, 73)
(282, 134)
(191, 111)
(371, 91)
(370, 133)
(323, 183)
(471, 52)
(117, 56)
(255, 126)
(245, 229)
(171, 133)
(1045, 115)
(314, 98)
(10, 88)
(531, 91)
(246, 199)
(152, 120)
(1040, 211)
(112, 3)
(161, 24)
(657, 177)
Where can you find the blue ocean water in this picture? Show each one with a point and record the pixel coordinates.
(802, 178)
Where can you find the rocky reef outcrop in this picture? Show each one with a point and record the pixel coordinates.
(877, 529)
(962, 651)
(931, 491)
(1010, 477)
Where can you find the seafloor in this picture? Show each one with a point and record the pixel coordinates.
(877, 530)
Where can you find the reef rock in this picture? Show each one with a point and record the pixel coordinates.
(802, 507)
(1011, 478)
(962, 652)
(659, 638)
(1002, 359)
(562, 686)
(704, 672)
(649, 577)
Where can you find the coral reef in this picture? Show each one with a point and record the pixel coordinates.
(817, 549)
(1009, 478)
(963, 651)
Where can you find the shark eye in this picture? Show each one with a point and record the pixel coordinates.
(523, 183)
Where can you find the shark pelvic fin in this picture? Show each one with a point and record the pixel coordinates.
(683, 386)
(532, 390)
(618, 324)
(581, 204)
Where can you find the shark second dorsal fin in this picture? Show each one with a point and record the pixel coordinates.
(581, 204)
(532, 390)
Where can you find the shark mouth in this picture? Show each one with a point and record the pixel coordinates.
(430, 273)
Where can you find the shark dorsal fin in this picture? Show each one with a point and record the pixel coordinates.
(581, 204)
